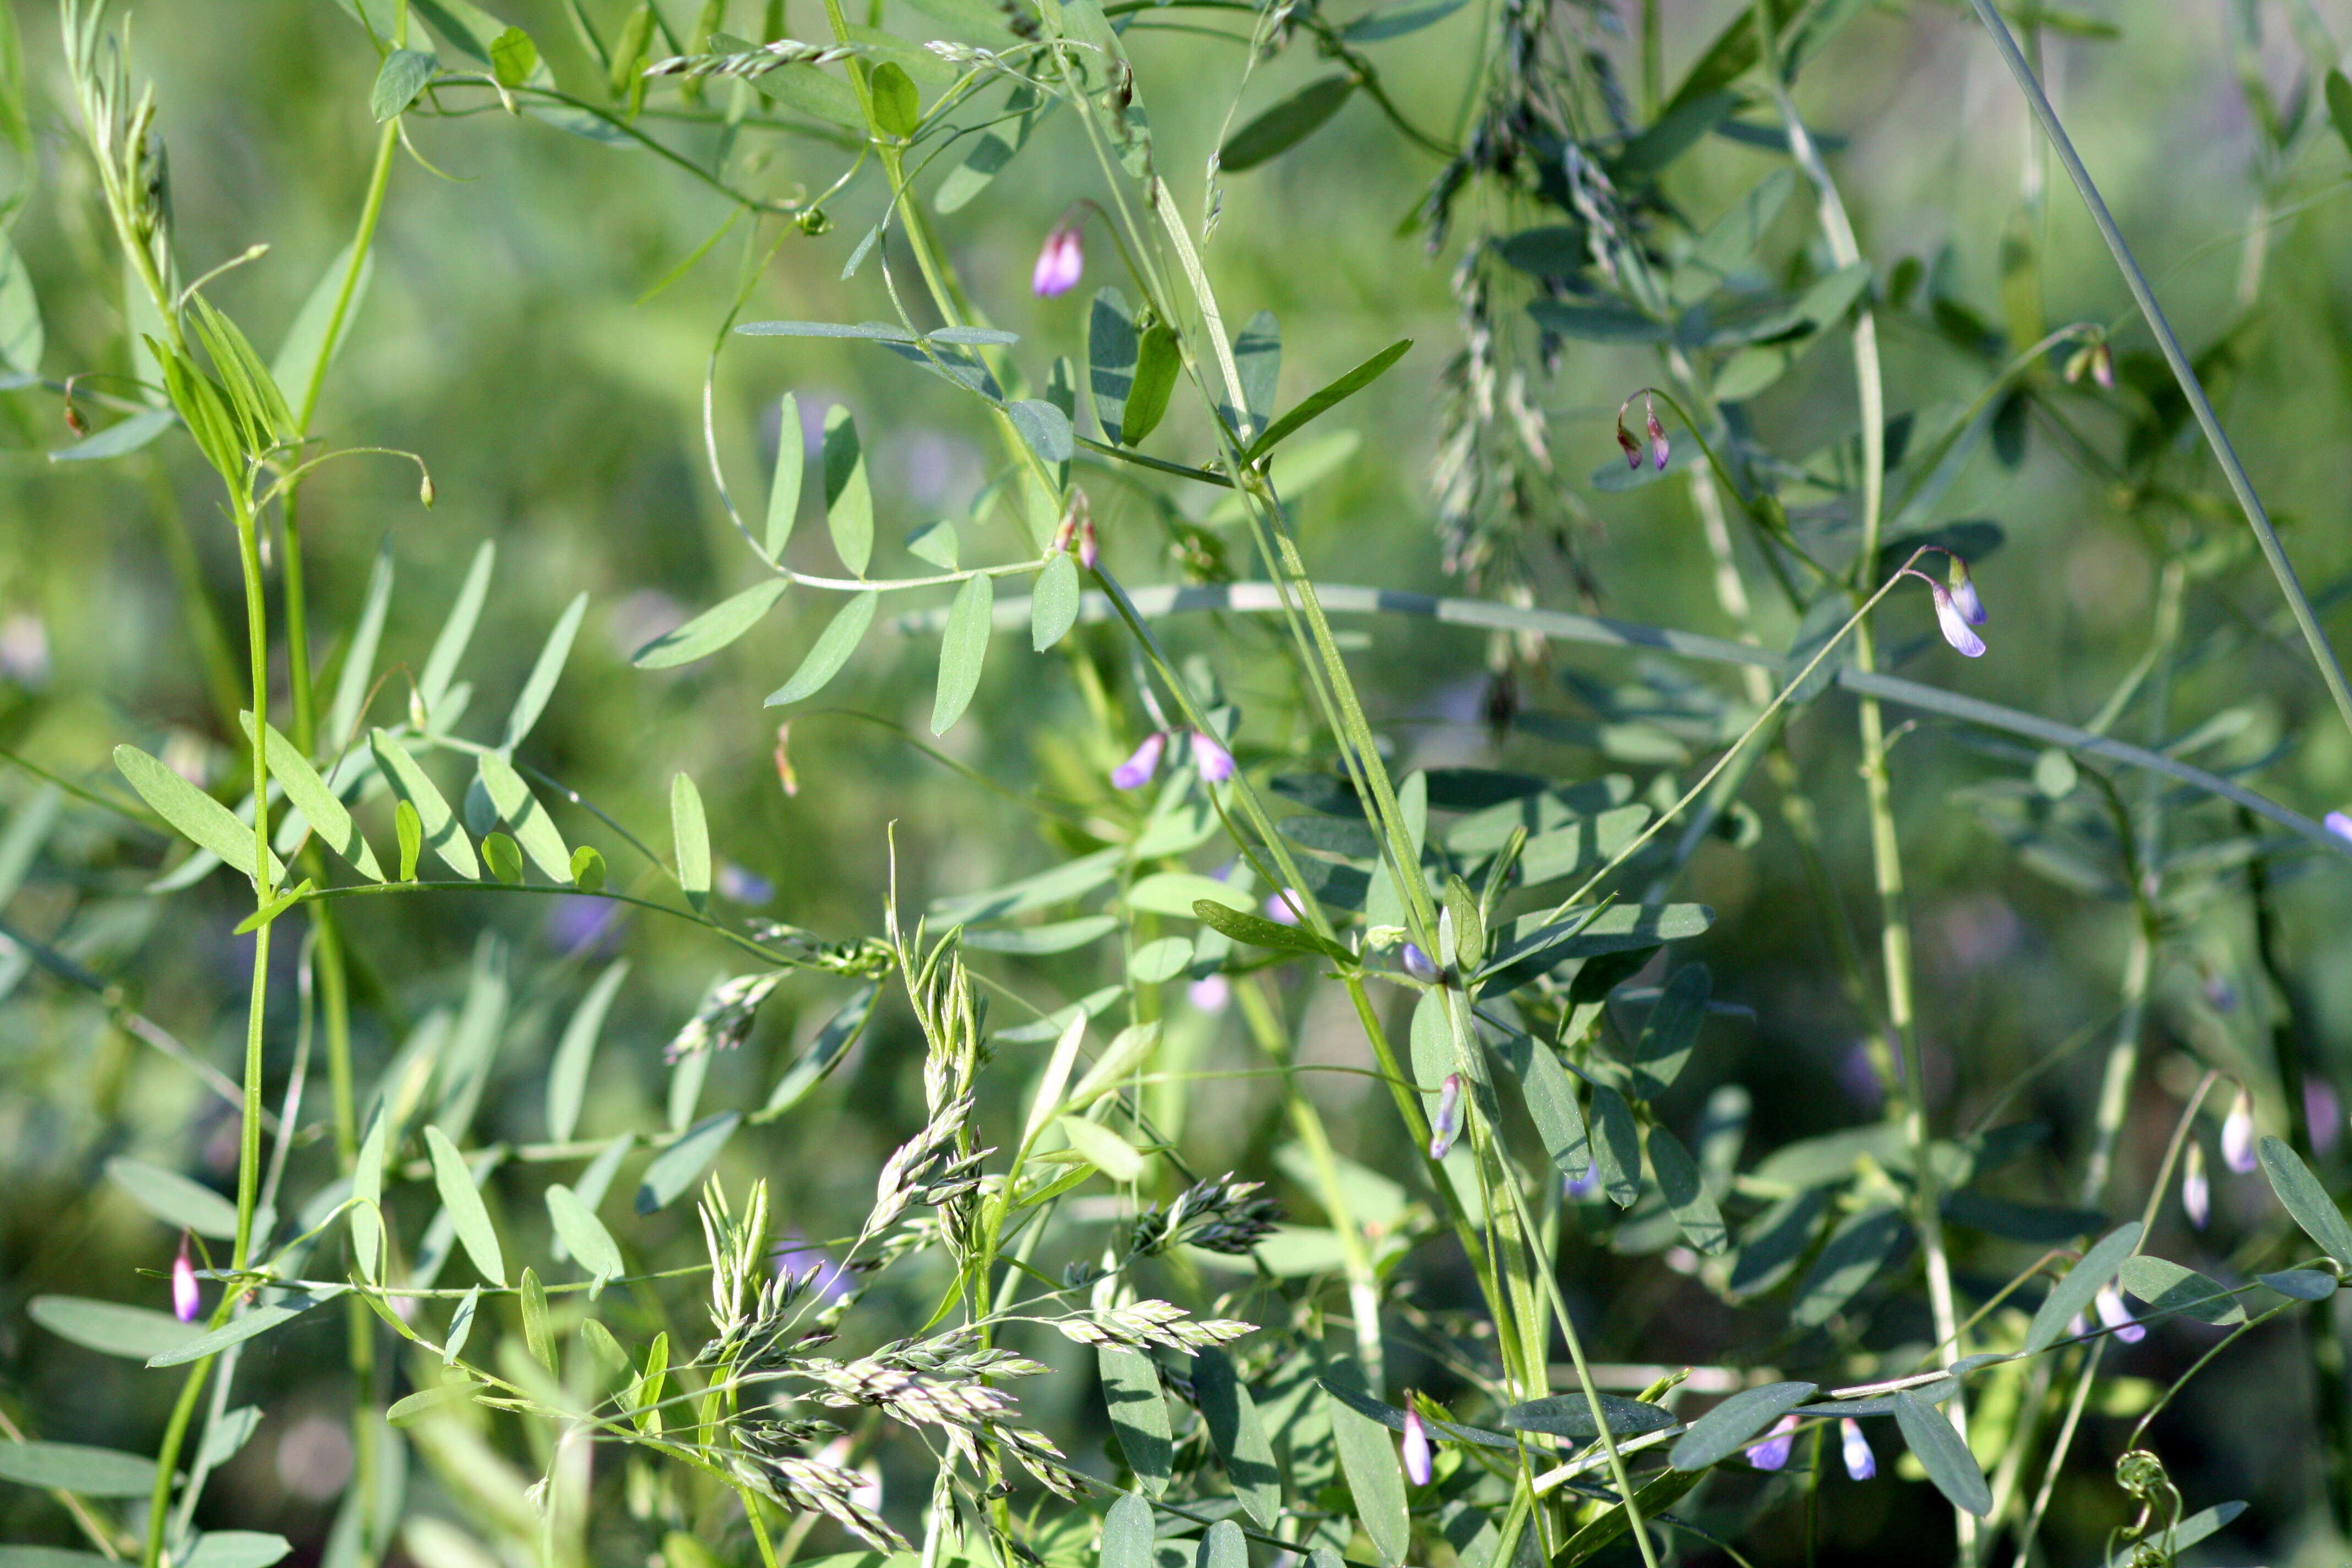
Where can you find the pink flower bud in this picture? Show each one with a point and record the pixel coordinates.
(186, 1299)
(1954, 623)
(2114, 1315)
(1659, 450)
(1861, 1464)
(1140, 764)
(1061, 260)
(1088, 551)
(2238, 1134)
(1417, 1456)
(2196, 1193)
(1448, 1125)
(1773, 1451)
(1215, 762)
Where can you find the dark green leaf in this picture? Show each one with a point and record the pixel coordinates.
(2306, 1200)
(1113, 344)
(2073, 1293)
(1671, 1031)
(1396, 21)
(1571, 1415)
(1653, 1497)
(111, 1328)
(1943, 1455)
(1329, 397)
(1139, 1413)
(1231, 1416)
(1550, 1098)
(824, 1053)
(830, 651)
(1687, 1197)
(2167, 1287)
(1598, 323)
(1257, 360)
(1375, 1481)
(1857, 1249)
(1223, 1547)
(1616, 1145)
(1045, 428)
(71, 1467)
(1156, 364)
(2339, 105)
(567, 1076)
(1260, 933)
(995, 147)
(1126, 1533)
(1774, 1240)
(1534, 948)
(1733, 1425)
(1286, 124)
(964, 648)
(203, 820)
(398, 80)
(2302, 1284)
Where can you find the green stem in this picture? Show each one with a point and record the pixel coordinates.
(2233, 472)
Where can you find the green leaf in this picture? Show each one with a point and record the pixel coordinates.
(111, 1328)
(681, 1164)
(1258, 932)
(315, 802)
(691, 836)
(117, 441)
(203, 821)
(2302, 1284)
(22, 337)
(306, 353)
(1223, 1547)
(587, 869)
(1126, 1533)
(936, 543)
(994, 146)
(1286, 124)
(1652, 1498)
(849, 495)
(1063, 936)
(1687, 1197)
(824, 1054)
(464, 1201)
(513, 57)
(1156, 962)
(2073, 1293)
(1670, 1032)
(1045, 428)
(1535, 948)
(830, 650)
(1616, 1146)
(1571, 1415)
(238, 1548)
(1329, 397)
(252, 1325)
(717, 625)
(2339, 105)
(784, 489)
(1156, 364)
(1773, 1242)
(461, 1325)
(1139, 1413)
(538, 1334)
(584, 1234)
(52, 1557)
(441, 662)
(519, 809)
(544, 673)
(1375, 1481)
(1549, 1096)
(1942, 1454)
(1054, 606)
(438, 824)
(964, 648)
(504, 859)
(74, 1468)
(1733, 1425)
(2306, 1200)
(1857, 1250)
(567, 1076)
(172, 1198)
(1109, 1152)
(398, 80)
(409, 828)
(1113, 342)
(2168, 1287)
(897, 105)
(1238, 1436)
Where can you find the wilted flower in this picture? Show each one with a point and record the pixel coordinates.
(1060, 262)
(1215, 762)
(1861, 1464)
(1633, 449)
(1417, 965)
(1955, 623)
(1210, 993)
(2238, 1134)
(1659, 451)
(2196, 1193)
(1448, 1125)
(186, 1299)
(1140, 764)
(1282, 907)
(2114, 1315)
(1773, 1451)
(1417, 1455)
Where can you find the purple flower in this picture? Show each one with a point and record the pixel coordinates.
(2114, 1315)
(2339, 822)
(1964, 593)
(1417, 965)
(1417, 1456)
(2324, 1112)
(1861, 1464)
(1210, 993)
(186, 1299)
(1773, 1451)
(1659, 450)
(739, 886)
(1140, 764)
(828, 1278)
(1954, 622)
(1625, 440)
(1215, 762)
(2196, 1193)
(2238, 1134)
(1448, 1125)
(1060, 262)
(1282, 907)
(1090, 549)
(1583, 1188)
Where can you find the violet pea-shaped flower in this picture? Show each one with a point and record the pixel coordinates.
(186, 1299)
(2238, 1134)
(1861, 1464)
(1954, 622)
(1418, 1458)
(1215, 762)
(2114, 1315)
(2196, 1193)
(1773, 1451)
(1140, 764)
(1061, 260)
(1448, 1124)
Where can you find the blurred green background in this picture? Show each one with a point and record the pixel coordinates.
(515, 338)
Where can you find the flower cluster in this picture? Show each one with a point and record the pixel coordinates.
(1209, 756)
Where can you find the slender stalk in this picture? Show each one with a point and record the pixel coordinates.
(2233, 472)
